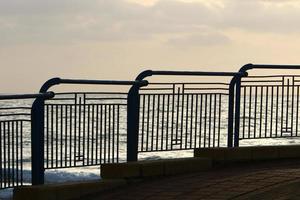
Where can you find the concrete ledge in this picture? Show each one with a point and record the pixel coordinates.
(120, 170)
(289, 151)
(244, 154)
(65, 191)
(145, 169)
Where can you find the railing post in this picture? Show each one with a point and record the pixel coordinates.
(133, 104)
(37, 141)
(237, 111)
(234, 110)
(231, 113)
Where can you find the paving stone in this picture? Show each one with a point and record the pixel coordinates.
(237, 182)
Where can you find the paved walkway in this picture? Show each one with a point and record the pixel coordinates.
(270, 180)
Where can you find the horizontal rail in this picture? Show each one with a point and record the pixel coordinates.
(264, 66)
(46, 95)
(102, 82)
(190, 83)
(147, 73)
(15, 108)
(57, 81)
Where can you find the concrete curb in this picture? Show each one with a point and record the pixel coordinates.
(156, 168)
(114, 176)
(247, 154)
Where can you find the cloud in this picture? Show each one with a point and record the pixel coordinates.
(204, 39)
(76, 21)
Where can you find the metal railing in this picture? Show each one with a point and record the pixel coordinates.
(78, 129)
(15, 120)
(269, 104)
(172, 116)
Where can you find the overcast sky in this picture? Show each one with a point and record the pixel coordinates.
(116, 39)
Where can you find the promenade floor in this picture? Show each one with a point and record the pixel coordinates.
(264, 180)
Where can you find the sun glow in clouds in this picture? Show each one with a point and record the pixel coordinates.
(116, 39)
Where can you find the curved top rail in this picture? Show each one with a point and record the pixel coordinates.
(148, 73)
(57, 81)
(249, 66)
(46, 95)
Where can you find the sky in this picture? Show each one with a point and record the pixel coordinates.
(117, 39)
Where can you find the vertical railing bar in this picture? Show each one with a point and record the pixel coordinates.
(297, 113)
(287, 105)
(215, 111)
(1, 161)
(79, 131)
(250, 105)
(271, 125)
(255, 111)
(105, 128)
(21, 151)
(152, 127)
(17, 153)
(282, 105)
(191, 126)
(52, 133)
(143, 121)
(162, 122)
(267, 106)
(82, 132)
(292, 113)
(244, 110)
(173, 110)
(19, 161)
(209, 121)
(4, 155)
(186, 121)
(75, 128)
(118, 131)
(182, 113)
(200, 120)
(109, 132)
(167, 129)
(93, 133)
(47, 135)
(148, 123)
(177, 116)
(113, 134)
(87, 136)
(205, 123)
(70, 136)
(66, 135)
(101, 132)
(61, 135)
(13, 153)
(277, 106)
(4, 152)
(220, 114)
(8, 152)
(56, 135)
(157, 121)
(97, 135)
(82, 138)
(196, 121)
(261, 110)
(19, 156)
